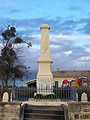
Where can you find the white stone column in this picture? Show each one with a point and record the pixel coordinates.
(44, 75)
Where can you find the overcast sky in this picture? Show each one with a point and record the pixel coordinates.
(69, 35)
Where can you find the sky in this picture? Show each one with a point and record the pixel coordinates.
(69, 21)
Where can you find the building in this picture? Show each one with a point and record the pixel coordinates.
(31, 83)
(69, 75)
(60, 76)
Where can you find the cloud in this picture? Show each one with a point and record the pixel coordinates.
(13, 11)
(74, 8)
(64, 35)
(34, 24)
(87, 45)
(6, 5)
(86, 28)
(68, 56)
(65, 55)
(1, 46)
(72, 38)
(0, 37)
(70, 62)
(58, 26)
(85, 58)
(67, 27)
(88, 1)
(68, 53)
(85, 25)
(5, 2)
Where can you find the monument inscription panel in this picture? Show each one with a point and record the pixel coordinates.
(44, 85)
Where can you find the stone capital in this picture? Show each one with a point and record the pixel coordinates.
(45, 26)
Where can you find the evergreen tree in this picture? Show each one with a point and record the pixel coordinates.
(11, 65)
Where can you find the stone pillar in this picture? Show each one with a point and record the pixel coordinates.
(5, 97)
(44, 75)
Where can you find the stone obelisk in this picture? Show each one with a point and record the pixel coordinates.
(44, 75)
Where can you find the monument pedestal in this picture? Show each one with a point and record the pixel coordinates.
(44, 85)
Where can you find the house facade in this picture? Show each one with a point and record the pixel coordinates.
(71, 76)
(61, 77)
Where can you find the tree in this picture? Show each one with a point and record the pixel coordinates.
(11, 66)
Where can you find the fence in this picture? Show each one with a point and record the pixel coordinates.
(25, 93)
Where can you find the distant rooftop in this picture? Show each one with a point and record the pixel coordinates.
(31, 81)
(71, 73)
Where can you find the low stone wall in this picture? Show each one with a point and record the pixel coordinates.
(79, 110)
(10, 111)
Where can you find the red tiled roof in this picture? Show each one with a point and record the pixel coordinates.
(73, 73)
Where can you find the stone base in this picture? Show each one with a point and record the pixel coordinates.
(10, 110)
(44, 96)
(45, 92)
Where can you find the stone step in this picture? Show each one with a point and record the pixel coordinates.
(82, 119)
(44, 108)
(42, 119)
(43, 113)
(45, 116)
